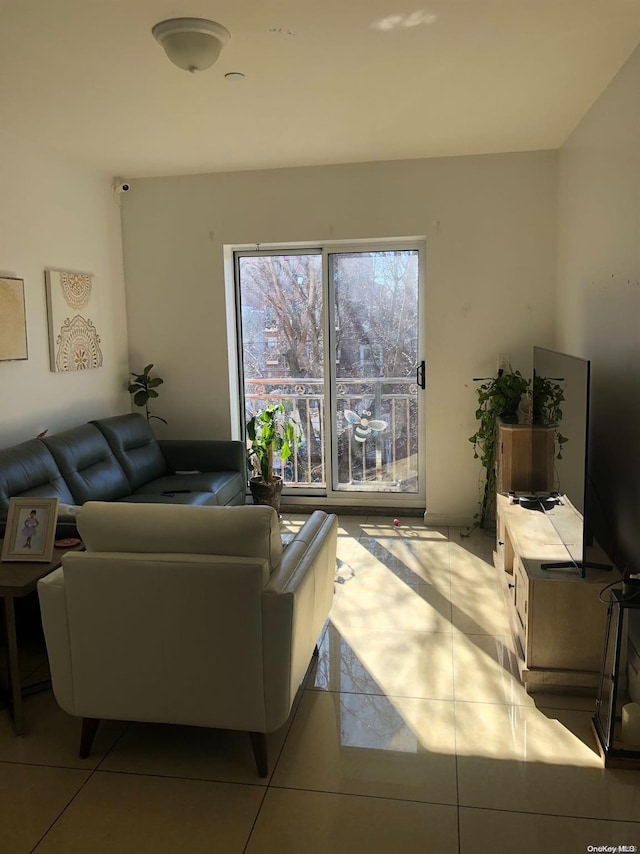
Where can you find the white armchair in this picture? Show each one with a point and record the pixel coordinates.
(188, 615)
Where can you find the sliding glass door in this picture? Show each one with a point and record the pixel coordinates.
(335, 336)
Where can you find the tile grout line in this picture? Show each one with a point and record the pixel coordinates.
(360, 795)
(75, 795)
(455, 717)
(569, 817)
(284, 741)
(257, 815)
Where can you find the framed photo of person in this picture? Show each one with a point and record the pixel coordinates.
(30, 530)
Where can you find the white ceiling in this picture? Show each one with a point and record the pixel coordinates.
(326, 81)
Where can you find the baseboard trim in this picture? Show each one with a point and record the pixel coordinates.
(435, 520)
(345, 510)
(447, 520)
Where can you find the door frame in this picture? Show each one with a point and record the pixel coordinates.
(325, 496)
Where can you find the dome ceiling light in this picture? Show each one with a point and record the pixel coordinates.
(193, 44)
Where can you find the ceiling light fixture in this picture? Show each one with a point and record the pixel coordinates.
(193, 44)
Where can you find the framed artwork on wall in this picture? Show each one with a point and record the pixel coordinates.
(13, 320)
(73, 310)
(31, 528)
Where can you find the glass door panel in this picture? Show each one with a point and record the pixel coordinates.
(374, 430)
(282, 351)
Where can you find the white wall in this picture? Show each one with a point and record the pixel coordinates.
(599, 293)
(490, 224)
(58, 212)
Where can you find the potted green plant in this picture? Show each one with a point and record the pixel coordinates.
(547, 399)
(143, 388)
(269, 431)
(498, 397)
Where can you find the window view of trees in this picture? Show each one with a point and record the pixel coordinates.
(374, 318)
(375, 308)
(282, 316)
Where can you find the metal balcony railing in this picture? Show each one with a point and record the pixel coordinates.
(386, 460)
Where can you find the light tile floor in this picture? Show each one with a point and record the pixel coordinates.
(411, 733)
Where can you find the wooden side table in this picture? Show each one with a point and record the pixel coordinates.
(18, 579)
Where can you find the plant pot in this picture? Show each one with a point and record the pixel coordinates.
(266, 493)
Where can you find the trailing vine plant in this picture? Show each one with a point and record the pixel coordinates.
(498, 397)
(547, 397)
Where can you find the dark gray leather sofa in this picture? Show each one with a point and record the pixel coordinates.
(119, 459)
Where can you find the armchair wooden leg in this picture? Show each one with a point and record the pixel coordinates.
(89, 729)
(259, 745)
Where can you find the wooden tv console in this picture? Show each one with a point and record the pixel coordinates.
(557, 620)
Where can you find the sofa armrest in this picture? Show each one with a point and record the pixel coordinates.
(204, 455)
(296, 603)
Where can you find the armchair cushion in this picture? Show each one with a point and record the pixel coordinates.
(177, 529)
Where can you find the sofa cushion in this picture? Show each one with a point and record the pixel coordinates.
(88, 465)
(135, 447)
(157, 528)
(191, 498)
(29, 470)
(224, 487)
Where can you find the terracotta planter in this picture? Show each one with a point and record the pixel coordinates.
(266, 493)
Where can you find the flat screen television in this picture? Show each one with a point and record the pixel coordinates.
(561, 401)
